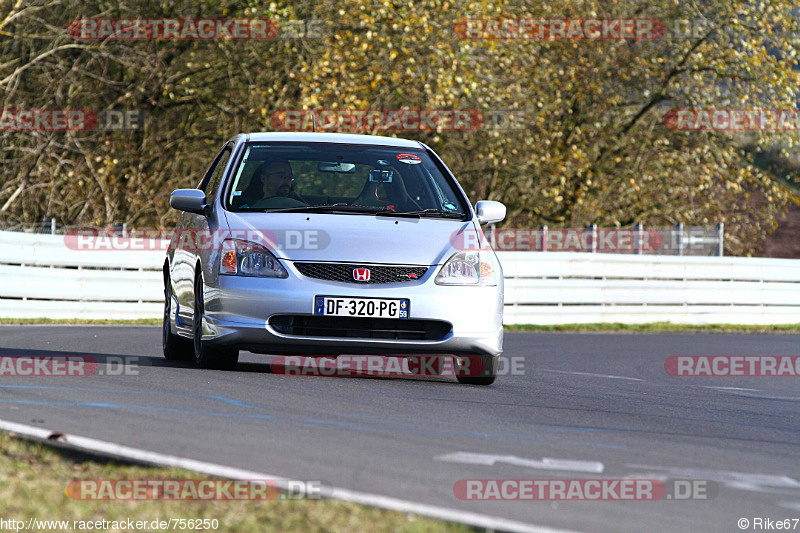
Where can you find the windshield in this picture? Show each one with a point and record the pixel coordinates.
(341, 178)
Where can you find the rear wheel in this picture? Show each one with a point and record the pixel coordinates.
(175, 348)
(477, 369)
(220, 358)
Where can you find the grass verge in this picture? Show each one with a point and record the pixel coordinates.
(36, 476)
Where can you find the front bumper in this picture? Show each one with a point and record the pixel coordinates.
(238, 309)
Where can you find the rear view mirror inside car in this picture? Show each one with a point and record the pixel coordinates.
(336, 166)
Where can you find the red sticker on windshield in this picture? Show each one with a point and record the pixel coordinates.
(409, 159)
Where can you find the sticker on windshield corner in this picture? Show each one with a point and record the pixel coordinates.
(409, 159)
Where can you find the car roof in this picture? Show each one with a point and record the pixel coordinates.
(340, 138)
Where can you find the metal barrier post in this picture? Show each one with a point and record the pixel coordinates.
(543, 234)
(637, 238)
(593, 228)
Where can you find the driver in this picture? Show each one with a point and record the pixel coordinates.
(277, 179)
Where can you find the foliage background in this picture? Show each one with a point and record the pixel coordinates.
(593, 148)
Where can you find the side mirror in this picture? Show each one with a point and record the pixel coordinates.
(489, 212)
(189, 200)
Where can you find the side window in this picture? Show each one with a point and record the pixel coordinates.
(212, 183)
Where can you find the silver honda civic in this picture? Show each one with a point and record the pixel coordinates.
(323, 244)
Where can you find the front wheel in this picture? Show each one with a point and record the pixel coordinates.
(205, 356)
(477, 369)
(175, 348)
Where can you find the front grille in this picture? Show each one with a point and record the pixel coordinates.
(344, 272)
(360, 327)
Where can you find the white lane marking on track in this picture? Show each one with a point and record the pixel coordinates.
(227, 472)
(590, 374)
(750, 393)
(738, 480)
(767, 397)
(545, 464)
(727, 389)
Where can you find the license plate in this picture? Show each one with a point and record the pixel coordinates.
(368, 307)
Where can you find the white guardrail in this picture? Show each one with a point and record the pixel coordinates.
(41, 277)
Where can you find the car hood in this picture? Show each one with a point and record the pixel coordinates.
(352, 238)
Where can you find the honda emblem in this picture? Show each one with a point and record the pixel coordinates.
(361, 274)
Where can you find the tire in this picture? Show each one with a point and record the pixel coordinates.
(206, 356)
(175, 348)
(485, 375)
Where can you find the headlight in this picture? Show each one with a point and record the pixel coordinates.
(468, 268)
(245, 258)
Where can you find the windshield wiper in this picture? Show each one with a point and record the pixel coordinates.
(421, 213)
(362, 209)
(320, 209)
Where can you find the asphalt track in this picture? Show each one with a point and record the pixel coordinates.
(595, 405)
